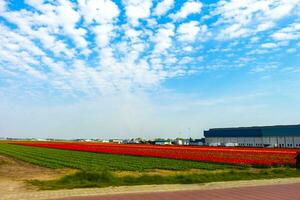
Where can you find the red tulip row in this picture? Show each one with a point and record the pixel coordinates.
(232, 155)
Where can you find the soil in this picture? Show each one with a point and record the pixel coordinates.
(162, 172)
(14, 173)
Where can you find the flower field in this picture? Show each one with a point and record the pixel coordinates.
(115, 169)
(230, 155)
(96, 162)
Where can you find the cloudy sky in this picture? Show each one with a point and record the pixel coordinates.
(142, 68)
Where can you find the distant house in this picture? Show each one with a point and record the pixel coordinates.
(78, 140)
(41, 139)
(103, 141)
(162, 142)
(181, 141)
(117, 141)
(133, 141)
(197, 142)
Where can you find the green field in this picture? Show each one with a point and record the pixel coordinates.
(101, 170)
(56, 158)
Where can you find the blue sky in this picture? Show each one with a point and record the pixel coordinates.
(141, 68)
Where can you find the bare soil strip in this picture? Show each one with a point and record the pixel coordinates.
(14, 173)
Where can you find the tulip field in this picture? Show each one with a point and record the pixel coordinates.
(106, 164)
(229, 155)
(89, 161)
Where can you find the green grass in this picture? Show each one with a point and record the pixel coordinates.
(87, 161)
(105, 179)
(96, 169)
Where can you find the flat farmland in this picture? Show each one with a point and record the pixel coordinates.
(233, 155)
(96, 168)
(58, 158)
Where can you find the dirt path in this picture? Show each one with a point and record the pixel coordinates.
(13, 173)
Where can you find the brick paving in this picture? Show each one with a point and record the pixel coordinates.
(145, 190)
(270, 192)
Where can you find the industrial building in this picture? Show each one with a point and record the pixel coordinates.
(285, 136)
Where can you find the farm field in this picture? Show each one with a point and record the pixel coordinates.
(236, 155)
(103, 169)
(57, 158)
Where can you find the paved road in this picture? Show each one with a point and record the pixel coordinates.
(271, 192)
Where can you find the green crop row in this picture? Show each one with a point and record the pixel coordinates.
(56, 158)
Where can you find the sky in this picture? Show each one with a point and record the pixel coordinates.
(143, 68)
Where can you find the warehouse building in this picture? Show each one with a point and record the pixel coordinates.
(285, 136)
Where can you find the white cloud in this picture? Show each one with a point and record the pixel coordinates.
(43, 27)
(35, 3)
(192, 31)
(100, 11)
(163, 38)
(163, 7)
(188, 31)
(68, 18)
(254, 39)
(266, 68)
(103, 34)
(97, 46)
(268, 45)
(188, 48)
(185, 60)
(52, 51)
(247, 17)
(265, 26)
(282, 8)
(18, 54)
(2, 6)
(291, 50)
(188, 8)
(291, 32)
(137, 9)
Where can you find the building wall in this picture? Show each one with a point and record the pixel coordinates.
(283, 142)
(273, 141)
(297, 142)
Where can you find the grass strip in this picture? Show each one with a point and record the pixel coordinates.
(84, 179)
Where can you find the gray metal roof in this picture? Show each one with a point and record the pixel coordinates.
(255, 131)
